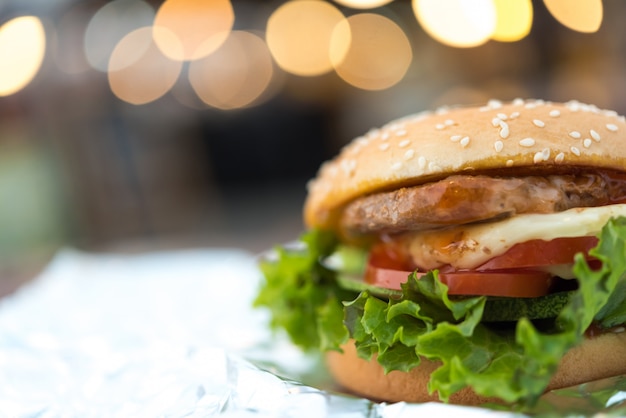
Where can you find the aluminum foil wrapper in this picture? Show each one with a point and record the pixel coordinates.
(174, 334)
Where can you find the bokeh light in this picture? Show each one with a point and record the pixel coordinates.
(578, 15)
(458, 23)
(379, 55)
(299, 35)
(363, 4)
(514, 20)
(201, 27)
(150, 76)
(22, 49)
(235, 75)
(109, 25)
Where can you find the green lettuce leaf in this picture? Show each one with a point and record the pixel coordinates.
(513, 363)
(302, 295)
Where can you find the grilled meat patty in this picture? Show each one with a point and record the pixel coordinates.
(462, 199)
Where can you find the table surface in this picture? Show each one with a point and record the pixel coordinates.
(168, 333)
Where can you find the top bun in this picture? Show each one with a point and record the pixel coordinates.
(428, 146)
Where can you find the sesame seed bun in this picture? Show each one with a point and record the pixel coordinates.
(596, 358)
(432, 145)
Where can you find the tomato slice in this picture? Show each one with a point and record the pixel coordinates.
(516, 273)
(506, 283)
(391, 254)
(540, 253)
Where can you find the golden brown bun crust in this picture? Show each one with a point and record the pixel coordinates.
(596, 358)
(424, 147)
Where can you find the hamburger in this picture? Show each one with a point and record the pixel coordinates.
(464, 255)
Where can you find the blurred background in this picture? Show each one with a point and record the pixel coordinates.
(139, 125)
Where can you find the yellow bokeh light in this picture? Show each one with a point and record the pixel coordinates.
(234, 76)
(363, 4)
(201, 27)
(150, 75)
(22, 49)
(379, 55)
(514, 20)
(579, 15)
(299, 34)
(458, 23)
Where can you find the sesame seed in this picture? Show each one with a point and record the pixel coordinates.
(587, 142)
(594, 135)
(514, 115)
(348, 166)
(539, 123)
(611, 127)
(496, 122)
(384, 146)
(440, 126)
(401, 132)
(421, 162)
(542, 155)
(448, 122)
(575, 151)
(494, 104)
(384, 136)
(331, 169)
(465, 141)
(573, 105)
(404, 143)
(575, 134)
(530, 105)
(455, 138)
(518, 102)
(504, 130)
(433, 167)
(498, 145)
(361, 141)
(527, 142)
(559, 157)
(538, 157)
(409, 154)
(502, 116)
(555, 113)
(396, 166)
(509, 163)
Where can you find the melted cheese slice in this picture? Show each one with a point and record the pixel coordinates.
(469, 246)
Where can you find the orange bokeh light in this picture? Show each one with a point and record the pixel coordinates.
(299, 35)
(234, 76)
(200, 26)
(578, 15)
(379, 54)
(149, 75)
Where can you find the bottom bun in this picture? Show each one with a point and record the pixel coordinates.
(596, 358)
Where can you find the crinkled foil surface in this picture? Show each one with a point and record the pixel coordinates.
(173, 334)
